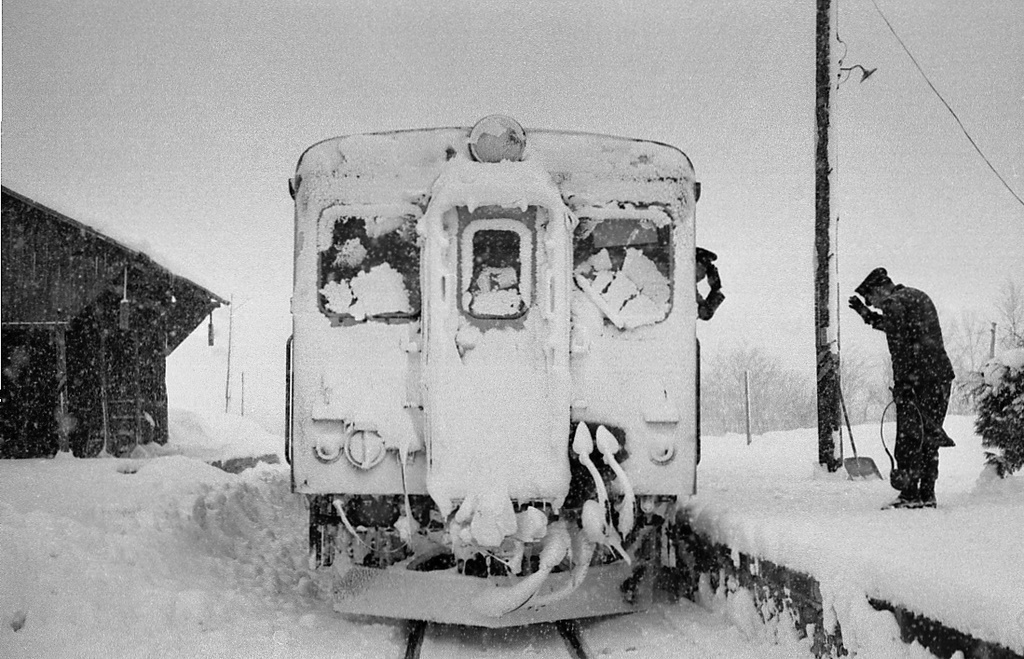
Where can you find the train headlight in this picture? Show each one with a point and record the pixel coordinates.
(661, 450)
(365, 449)
(497, 137)
(327, 448)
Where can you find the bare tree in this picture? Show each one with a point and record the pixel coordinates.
(880, 391)
(856, 373)
(967, 338)
(780, 399)
(1010, 315)
(719, 398)
(967, 341)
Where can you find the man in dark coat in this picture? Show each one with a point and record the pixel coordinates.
(705, 268)
(921, 373)
(706, 307)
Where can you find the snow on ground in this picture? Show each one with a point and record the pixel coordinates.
(959, 564)
(161, 557)
(220, 437)
(168, 556)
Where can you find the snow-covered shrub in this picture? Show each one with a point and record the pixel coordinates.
(1001, 412)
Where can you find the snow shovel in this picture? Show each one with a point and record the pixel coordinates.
(857, 467)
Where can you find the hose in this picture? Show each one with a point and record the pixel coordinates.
(881, 426)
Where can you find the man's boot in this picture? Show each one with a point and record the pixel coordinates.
(927, 495)
(908, 498)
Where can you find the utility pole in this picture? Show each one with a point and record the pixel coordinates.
(825, 220)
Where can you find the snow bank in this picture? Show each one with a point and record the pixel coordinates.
(165, 557)
(179, 559)
(169, 557)
(214, 437)
(959, 564)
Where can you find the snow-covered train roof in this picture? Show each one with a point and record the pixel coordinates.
(400, 167)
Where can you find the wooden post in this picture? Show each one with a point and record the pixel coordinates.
(137, 386)
(104, 393)
(826, 80)
(63, 425)
(992, 345)
(746, 401)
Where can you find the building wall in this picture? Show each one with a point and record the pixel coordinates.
(51, 270)
(87, 324)
(113, 386)
(28, 394)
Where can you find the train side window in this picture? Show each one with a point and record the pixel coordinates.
(496, 255)
(369, 267)
(625, 266)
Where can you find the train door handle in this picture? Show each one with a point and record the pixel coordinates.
(446, 287)
(549, 285)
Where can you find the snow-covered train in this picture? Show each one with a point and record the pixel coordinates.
(492, 376)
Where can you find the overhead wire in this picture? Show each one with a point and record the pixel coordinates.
(951, 111)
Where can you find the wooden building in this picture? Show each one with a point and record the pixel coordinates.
(87, 324)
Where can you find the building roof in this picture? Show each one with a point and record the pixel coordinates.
(54, 267)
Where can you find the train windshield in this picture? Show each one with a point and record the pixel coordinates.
(496, 256)
(369, 266)
(625, 266)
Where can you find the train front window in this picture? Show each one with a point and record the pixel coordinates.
(369, 266)
(625, 266)
(496, 255)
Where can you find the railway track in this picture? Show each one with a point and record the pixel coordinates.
(569, 630)
(441, 644)
(414, 643)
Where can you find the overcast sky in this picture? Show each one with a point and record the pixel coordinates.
(180, 123)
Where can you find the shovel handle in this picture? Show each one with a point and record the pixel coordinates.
(846, 417)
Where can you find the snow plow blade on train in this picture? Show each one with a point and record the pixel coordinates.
(450, 598)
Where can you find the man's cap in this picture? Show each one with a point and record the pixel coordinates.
(705, 256)
(876, 277)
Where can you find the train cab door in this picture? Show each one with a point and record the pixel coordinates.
(495, 360)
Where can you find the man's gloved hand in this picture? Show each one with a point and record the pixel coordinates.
(714, 280)
(858, 305)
